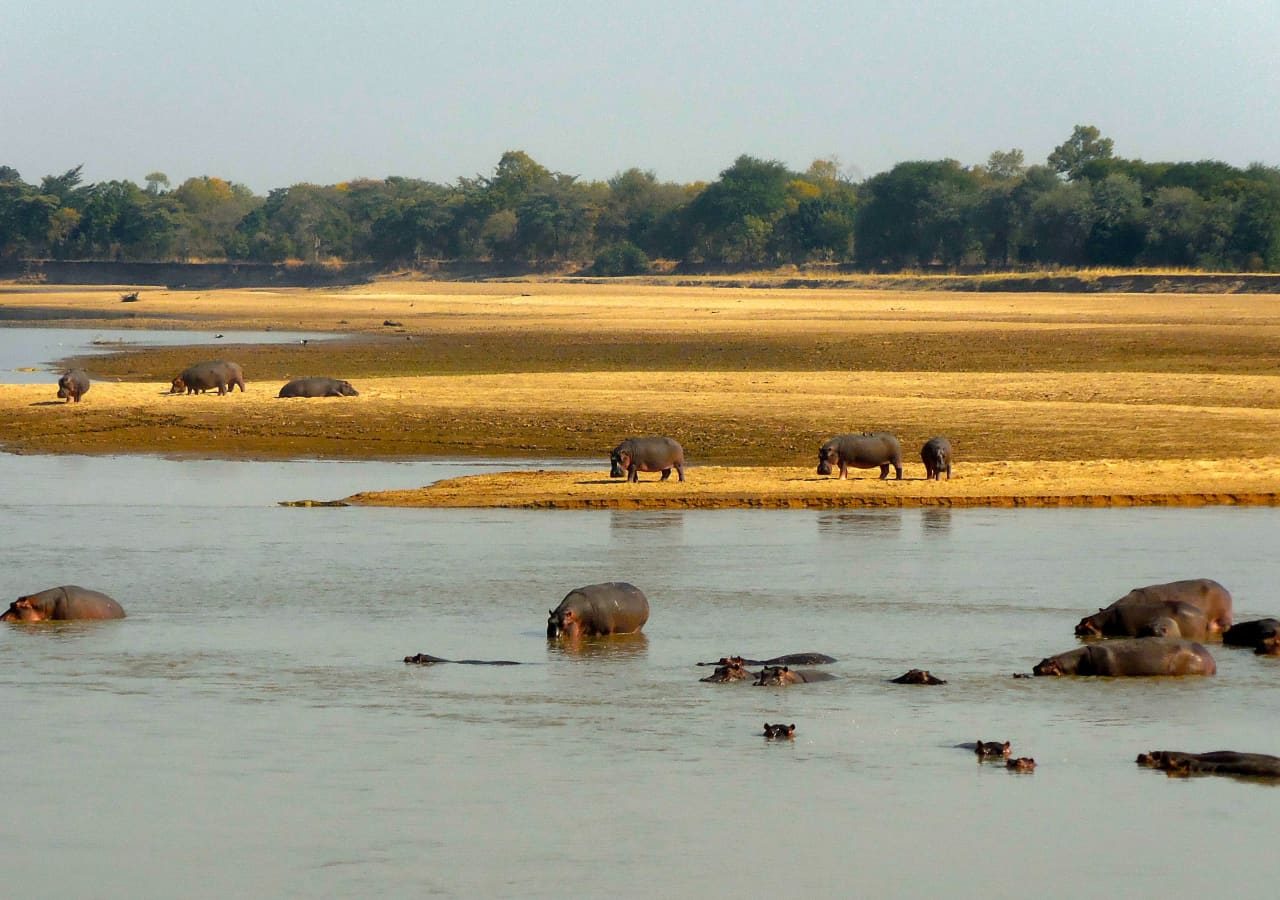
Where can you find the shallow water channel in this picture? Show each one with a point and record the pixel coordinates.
(250, 729)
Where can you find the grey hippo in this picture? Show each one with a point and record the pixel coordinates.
(1203, 593)
(614, 607)
(784, 675)
(648, 454)
(868, 450)
(936, 456)
(318, 387)
(1217, 762)
(1132, 657)
(73, 385)
(1146, 618)
(63, 603)
(206, 376)
(789, 659)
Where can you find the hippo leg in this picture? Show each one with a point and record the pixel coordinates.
(666, 473)
(884, 472)
(680, 470)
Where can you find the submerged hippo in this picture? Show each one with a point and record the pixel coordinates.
(614, 607)
(1021, 764)
(58, 604)
(992, 749)
(1147, 618)
(917, 676)
(731, 671)
(936, 456)
(1218, 762)
(208, 375)
(650, 454)
(782, 675)
(318, 387)
(73, 385)
(1203, 593)
(773, 732)
(1251, 634)
(1132, 656)
(426, 659)
(790, 659)
(862, 451)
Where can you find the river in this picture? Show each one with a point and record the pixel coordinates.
(250, 729)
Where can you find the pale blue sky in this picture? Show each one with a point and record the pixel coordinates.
(274, 93)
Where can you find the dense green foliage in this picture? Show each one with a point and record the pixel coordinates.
(1083, 207)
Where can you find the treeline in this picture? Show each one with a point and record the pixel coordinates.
(1082, 207)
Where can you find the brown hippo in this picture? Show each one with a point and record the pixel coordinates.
(73, 385)
(1021, 764)
(208, 375)
(862, 451)
(650, 454)
(614, 607)
(426, 659)
(1147, 618)
(1251, 634)
(1268, 646)
(917, 676)
(936, 456)
(730, 672)
(790, 659)
(1204, 593)
(783, 675)
(58, 604)
(774, 732)
(1132, 656)
(1218, 762)
(318, 387)
(992, 749)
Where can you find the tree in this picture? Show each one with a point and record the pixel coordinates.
(915, 214)
(1085, 145)
(733, 219)
(157, 183)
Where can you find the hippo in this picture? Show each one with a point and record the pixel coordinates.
(916, 676)
(1251, 634)
(992, 749)
(1021, 764)
(732, 671)
(1132, 656)
(1268, 646)
(58, 604)
(426, 659)
(614, 607)
(862, 451)
(774, 732)
(1217, 762)
(318, 387)
(1147, 618)
(73, 385)
(936, 456)
(783, 675)
(790, 659)
(208, 375)
(650, 454)
(1204, 593)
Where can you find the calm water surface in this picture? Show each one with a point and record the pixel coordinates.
(250, 730)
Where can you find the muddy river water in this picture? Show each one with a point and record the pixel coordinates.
(250, 729)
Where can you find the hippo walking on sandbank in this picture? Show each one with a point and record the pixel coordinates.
(206, 376)
(73, 385)
(649, 454)
(861, 451)
(1132, 657)
(318, 387)
(614, 607)
(936, 456)
(63, 603)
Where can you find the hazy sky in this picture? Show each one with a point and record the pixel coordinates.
(275, 92)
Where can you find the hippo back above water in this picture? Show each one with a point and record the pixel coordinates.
(649, 454)
(861, 451)
(614, 607)
(1203, 593)
(318, 387)
(63, 603)
(1147, 618)
(936, 456)
(73, 385)
(206, 376)
(1132, 657)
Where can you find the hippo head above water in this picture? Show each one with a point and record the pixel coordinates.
(22, 610)
(731, 671)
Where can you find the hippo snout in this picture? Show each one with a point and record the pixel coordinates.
(824, 467)
(615, 467)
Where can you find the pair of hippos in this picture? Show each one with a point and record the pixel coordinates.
(226, 376)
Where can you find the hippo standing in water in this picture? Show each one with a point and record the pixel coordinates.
(936, 456)
(650, 454)
(208, 375)
(614, 607)
(73, 385)
(318, 387)
(58, 604)
(862, 451)
(1133, 656)
(1203, 593)
(1142, 618)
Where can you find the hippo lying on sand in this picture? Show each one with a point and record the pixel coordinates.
(1133, 656)
(73, 385)
(782, 675)
(57, 604)
(862, 451)
(790, 659)
(650, 454)
(426, 659)
(614, 607)
(318, 387)
(1219, 762)
(208, 375)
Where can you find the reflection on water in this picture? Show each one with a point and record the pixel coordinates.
(252, 725)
